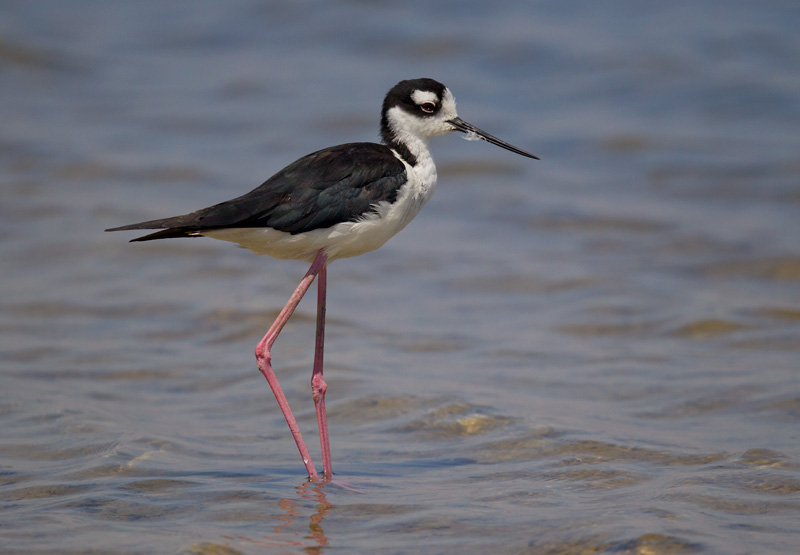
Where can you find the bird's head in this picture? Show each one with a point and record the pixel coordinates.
(418, 109)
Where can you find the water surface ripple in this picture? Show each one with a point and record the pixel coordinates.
(595, 353)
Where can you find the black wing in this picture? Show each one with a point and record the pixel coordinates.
(330, 186)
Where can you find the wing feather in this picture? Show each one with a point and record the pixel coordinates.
(330, 186)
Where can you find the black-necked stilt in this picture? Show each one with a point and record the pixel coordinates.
(338, 202)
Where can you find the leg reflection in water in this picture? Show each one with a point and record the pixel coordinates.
(286, 536)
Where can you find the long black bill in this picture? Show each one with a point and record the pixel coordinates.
(461, 125)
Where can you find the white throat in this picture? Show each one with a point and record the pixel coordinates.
(410, 131)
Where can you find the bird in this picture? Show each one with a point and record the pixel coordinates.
(338, 202)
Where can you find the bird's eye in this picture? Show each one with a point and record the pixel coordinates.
(427, 107)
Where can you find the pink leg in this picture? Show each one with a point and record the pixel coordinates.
(264, 358)
(318, 385)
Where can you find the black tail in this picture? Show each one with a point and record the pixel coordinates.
(169, 233)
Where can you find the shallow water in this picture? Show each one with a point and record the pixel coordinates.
(598, 352)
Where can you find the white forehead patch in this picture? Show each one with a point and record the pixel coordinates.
(420, 97)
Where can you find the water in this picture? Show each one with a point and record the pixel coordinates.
(598, 352)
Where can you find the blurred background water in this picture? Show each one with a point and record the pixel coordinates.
(598, 352)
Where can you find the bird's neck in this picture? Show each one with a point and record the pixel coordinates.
(412, 147)
(421, 170)
(405, 152)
